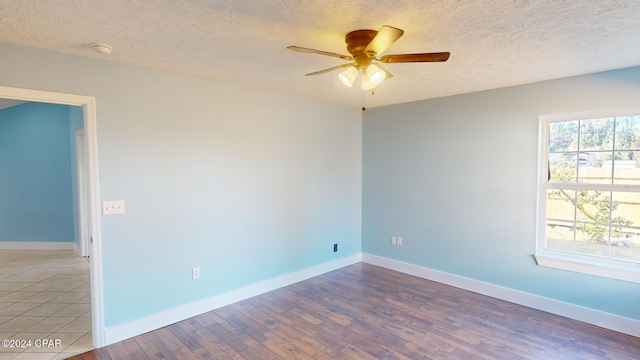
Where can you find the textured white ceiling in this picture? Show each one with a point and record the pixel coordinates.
(493, 43)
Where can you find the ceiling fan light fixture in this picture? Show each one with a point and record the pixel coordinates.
(375, 74)
(348, 76)
(366, 83)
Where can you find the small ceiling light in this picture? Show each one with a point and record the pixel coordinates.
(102, 49)
(348, 76)
(366, 83)
(375, 74)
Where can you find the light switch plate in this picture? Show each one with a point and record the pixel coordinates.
(112, 207)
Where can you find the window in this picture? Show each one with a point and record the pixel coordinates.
(589, 194)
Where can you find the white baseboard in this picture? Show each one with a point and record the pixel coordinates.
(35, 245)
(133, 328)
(76, 248)
(572, 311)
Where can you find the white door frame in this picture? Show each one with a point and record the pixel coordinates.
(82, 194)
(88, 104)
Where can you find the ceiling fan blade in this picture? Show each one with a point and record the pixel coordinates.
(386, 36)
(329, 69)
(423, 57)
(314, 51)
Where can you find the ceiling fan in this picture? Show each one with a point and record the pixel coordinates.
(365, 46)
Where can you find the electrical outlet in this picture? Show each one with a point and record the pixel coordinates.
(112, 207)
(195, 273)
(335, 247)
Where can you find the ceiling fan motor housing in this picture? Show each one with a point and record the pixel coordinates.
(357, 42)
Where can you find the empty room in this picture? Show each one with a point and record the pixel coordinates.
(325, 180)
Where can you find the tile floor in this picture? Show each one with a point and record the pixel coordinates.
(44, 298)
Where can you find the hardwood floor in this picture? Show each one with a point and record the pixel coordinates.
(367, 312)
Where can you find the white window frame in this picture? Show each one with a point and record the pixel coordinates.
(593, 265)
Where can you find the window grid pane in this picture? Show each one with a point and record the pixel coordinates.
(627, 133)
(626, 167)
(563, 167)
(627, 247)
(560, 204)
(560, 235)
(596, 134)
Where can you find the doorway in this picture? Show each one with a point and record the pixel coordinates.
(91, 208)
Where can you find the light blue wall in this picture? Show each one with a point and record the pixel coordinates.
(455, 177)
(246, 184)
(35, 176)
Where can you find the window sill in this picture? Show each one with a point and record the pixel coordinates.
(631, 274)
